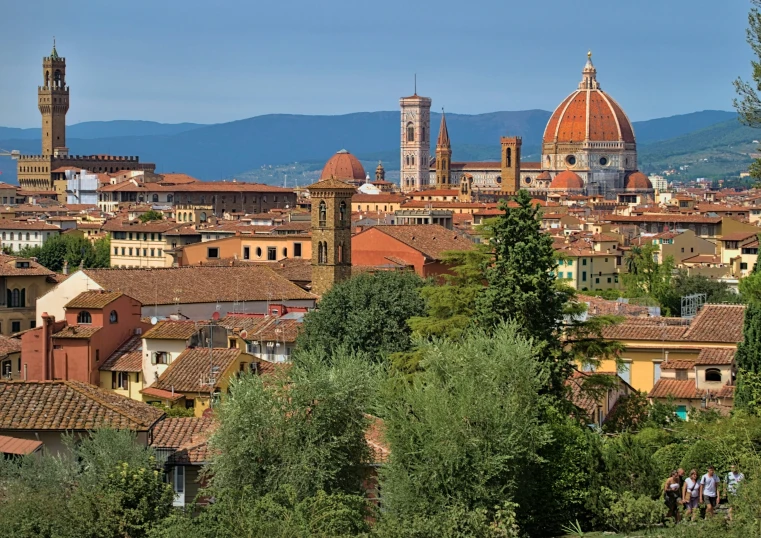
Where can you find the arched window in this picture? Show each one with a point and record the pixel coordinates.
(155, 198)
(16, 298)
(323, 215)
(113, 317)
(509, 157)
(57, 78)
(84, 317)
(422, 134)
(170, 198)
(27, 236)
(412, 160)
(258, 252)
(202, 216)
(203, 199)
(407, 159)
(410, 132)
(47, 79)
(285, 252)
(342, 212)
(713, 374)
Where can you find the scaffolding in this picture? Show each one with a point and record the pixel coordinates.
(691, 304)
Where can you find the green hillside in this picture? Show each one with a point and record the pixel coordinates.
(720, 151)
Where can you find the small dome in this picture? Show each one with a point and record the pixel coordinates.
(637, 181)
(567, 180)
(343, 165)
(544, 176)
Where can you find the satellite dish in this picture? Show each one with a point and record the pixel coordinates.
(244, 334)
(154, 320)
(215, 316)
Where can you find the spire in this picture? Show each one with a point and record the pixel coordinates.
(589, 75)
(54, 54)
(443, 132)
(380, 172)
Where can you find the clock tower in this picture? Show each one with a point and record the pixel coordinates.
(416, 143)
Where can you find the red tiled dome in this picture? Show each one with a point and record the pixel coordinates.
(544, 176)
(637, 181)
(567, 180)
(343, 165)
(589, 114)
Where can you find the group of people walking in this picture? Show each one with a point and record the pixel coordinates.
(692, 492)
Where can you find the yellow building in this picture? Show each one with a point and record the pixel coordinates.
(379, 203)
(138, 244)
(196, 378)
(652, 342)
(254, 247)
(22, 281)
(584, 268)
(122, 371)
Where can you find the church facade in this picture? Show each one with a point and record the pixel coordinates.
(588, 147)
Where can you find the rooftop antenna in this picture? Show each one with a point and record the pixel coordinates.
(415, 83)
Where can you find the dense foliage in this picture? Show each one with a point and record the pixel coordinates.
(748, 101)
(367, 313)
(151, 215)
(72, 248)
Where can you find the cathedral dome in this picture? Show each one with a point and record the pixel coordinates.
(589, 114)
(567, 180)
(343, 165)
(637, 181)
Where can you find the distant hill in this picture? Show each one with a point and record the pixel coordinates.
(241, 148)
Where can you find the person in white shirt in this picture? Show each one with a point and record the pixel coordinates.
(734, 477)
(691, 494)
(709, 490)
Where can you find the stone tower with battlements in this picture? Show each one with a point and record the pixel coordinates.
(331, 233)
(53, 102)
(416, 144)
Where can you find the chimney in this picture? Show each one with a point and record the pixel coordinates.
(65, 268)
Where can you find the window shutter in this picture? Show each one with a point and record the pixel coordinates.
(113, 380)
(153, 358)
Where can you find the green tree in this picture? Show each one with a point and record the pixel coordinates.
(102, 252)
(466, 428)
(73, 249)
(684, 284)
(367, 313)
(748, 356)
(29, 252)
(303, 430)
(451, 305)
(647, 277)
(151, 215)
(748, 101)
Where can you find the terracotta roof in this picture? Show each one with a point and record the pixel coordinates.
(567, 180)
(637, 181)
(33, 225)
(710, 356)
(378, 198)
(431, 240)
(677, 388)
(9, 345)
(173, 432)
(189, 371)
(18, 447)
(703, 258)
(161, 226)
(667, 218)
(220, 283)
(483, 165)
(330, 184)
(726, 391)
(678, 364)
(434, 192)
(127, 358)
(77, 331)
(270, 368)
(343, 165)
(163, 394)
(94, 299)
(171, 330)
(717, 323)
(9, 267)
(70, 405)
(738, 236)
(294, 226)
(177, 179)
(211, 187)
(263, 329)
(195, 451)
(588, 114)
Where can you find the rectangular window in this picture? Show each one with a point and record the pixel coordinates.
(271, 253)
(190, 403)
(15, 326)
(569, 263)
(597, 280)
(212, 252)
(681, 375)
(569, 274)
(625, 372)
(743, 265)
(116, 251)
(297, 250)
(584, 276)
(246, 253)
(153, 253)
(145, 252)
(160, 357)
(130, 251)
(681, 411)
(122, 251)
(178, 484)
(608, 280)
(656, 371)
(7, 369)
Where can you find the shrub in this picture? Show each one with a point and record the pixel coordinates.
(669, 458)
(629, 513)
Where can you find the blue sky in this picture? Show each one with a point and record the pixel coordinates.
(210, 62)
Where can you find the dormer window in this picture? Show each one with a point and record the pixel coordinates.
(84, 318)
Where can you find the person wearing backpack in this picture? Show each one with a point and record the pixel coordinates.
(691, 494)
(709, 490)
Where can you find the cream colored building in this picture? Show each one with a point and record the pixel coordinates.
(17, 235)
(137, 244)
(162, 344)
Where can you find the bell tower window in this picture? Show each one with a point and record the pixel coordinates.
(410, 133)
